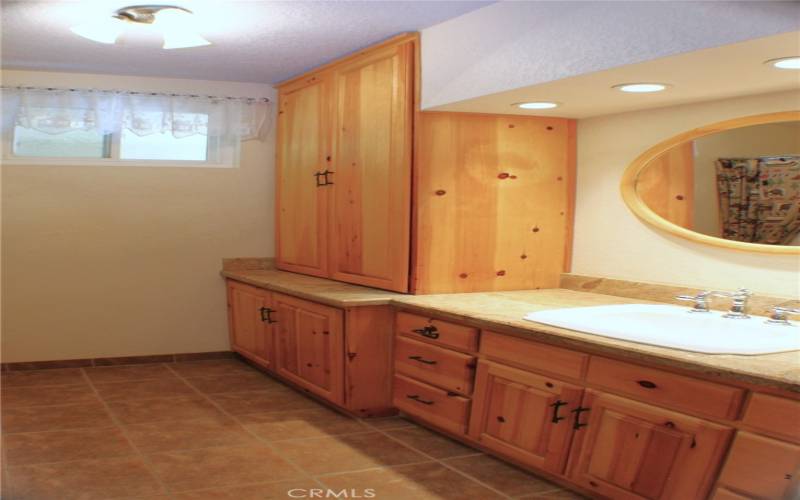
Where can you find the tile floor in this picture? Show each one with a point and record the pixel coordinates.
(220, 429)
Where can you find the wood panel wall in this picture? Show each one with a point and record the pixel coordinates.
(667, 185)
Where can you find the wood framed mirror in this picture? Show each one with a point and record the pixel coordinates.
(733, 184)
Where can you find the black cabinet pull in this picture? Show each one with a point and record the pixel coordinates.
(318, 175)
(429, 331)
(646, 384)
(555, 406)
(422, 360)
(416, 398)
(326, 173)
(266, 315)
(576, 424)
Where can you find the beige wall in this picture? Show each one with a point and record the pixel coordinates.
(610, 241)
(121, 261)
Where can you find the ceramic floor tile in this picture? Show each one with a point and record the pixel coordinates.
(168, 435)
(157, 409)
(349, 452)
(240, 403)
(385, 423)
(61, 446)
(127, 373)
(52, 418)
(501, 476)
(281, 490)
(315, 422)
(142, 389)
(238, 382)
(211, 368)
(14, 397)
(83, 480)
(217, 467)
(431, 443)
(57, 376)
(428, 481)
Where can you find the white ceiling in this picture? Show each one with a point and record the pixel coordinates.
(716, 73)
(252, 41)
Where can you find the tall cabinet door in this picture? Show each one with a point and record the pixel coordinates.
(303, 156)
(310, 346)
(632, 450)
(523, 415)
(249, 313)
(370, 207)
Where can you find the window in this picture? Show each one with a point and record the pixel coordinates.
(28, 142)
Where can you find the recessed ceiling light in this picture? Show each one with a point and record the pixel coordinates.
(536, 105)
(785, 62)
(640, 88)
(174, 24)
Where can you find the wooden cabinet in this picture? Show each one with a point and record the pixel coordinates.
(303, 153)
(370, 212)
(631, 450)
(310, 346)
(523, 415)
(760, 467)
(249, 315)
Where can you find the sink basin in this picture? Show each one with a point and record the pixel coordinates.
(676, 327)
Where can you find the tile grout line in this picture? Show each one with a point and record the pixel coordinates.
(302, 471)
(147, 463)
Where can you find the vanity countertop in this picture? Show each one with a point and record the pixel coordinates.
(503, 312)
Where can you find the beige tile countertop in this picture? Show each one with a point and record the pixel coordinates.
(503, 312)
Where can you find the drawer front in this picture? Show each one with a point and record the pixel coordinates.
(448, 411)
(761, 467)
(447, 334)
(533, 355)
(774, 415)
(667, 389)
(437, 366)
(726, 494)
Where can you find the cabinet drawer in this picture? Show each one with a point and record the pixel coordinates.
(533, 355)
(667, 389)
(443, 409)
(761, 467)
(459, 337)
(440, 367)
(774, 415)
(726, 494)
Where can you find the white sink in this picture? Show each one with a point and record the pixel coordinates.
(676, 327)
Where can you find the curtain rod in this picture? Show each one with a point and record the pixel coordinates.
(130, 92)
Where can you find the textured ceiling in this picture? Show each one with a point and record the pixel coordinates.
(252, 41)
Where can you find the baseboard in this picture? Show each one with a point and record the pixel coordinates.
(122, 360)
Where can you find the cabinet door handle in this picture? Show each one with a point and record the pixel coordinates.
(326, 173)
(416, 398)
(646, 384)
(422, 360)
(555, 406)
(576, 424)
(266, 315)
(318, 175)
(429, 331)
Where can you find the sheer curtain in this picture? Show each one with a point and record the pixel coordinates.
(226, 120)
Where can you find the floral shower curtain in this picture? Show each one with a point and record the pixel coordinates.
(759, 199)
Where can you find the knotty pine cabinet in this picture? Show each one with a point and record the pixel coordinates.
(340, 355)
(371, 191)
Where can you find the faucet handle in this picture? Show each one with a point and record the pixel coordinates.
(700, 301)
(779, 315)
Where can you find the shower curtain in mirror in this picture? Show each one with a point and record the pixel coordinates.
(759, 199)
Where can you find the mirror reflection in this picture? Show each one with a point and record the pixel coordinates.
(739, 184)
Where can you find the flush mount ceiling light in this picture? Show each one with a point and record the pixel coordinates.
(174, 24)
(640, 88)
(785, 62)
(536, 105)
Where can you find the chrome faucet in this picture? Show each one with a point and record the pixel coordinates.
(700, 301)
(779, 313)
(739, 299)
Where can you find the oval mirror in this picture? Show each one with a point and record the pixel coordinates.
(734, 184)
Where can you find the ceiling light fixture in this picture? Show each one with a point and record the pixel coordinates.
(536, 105)
(640, 88)
(792, 62)
(174, 24)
